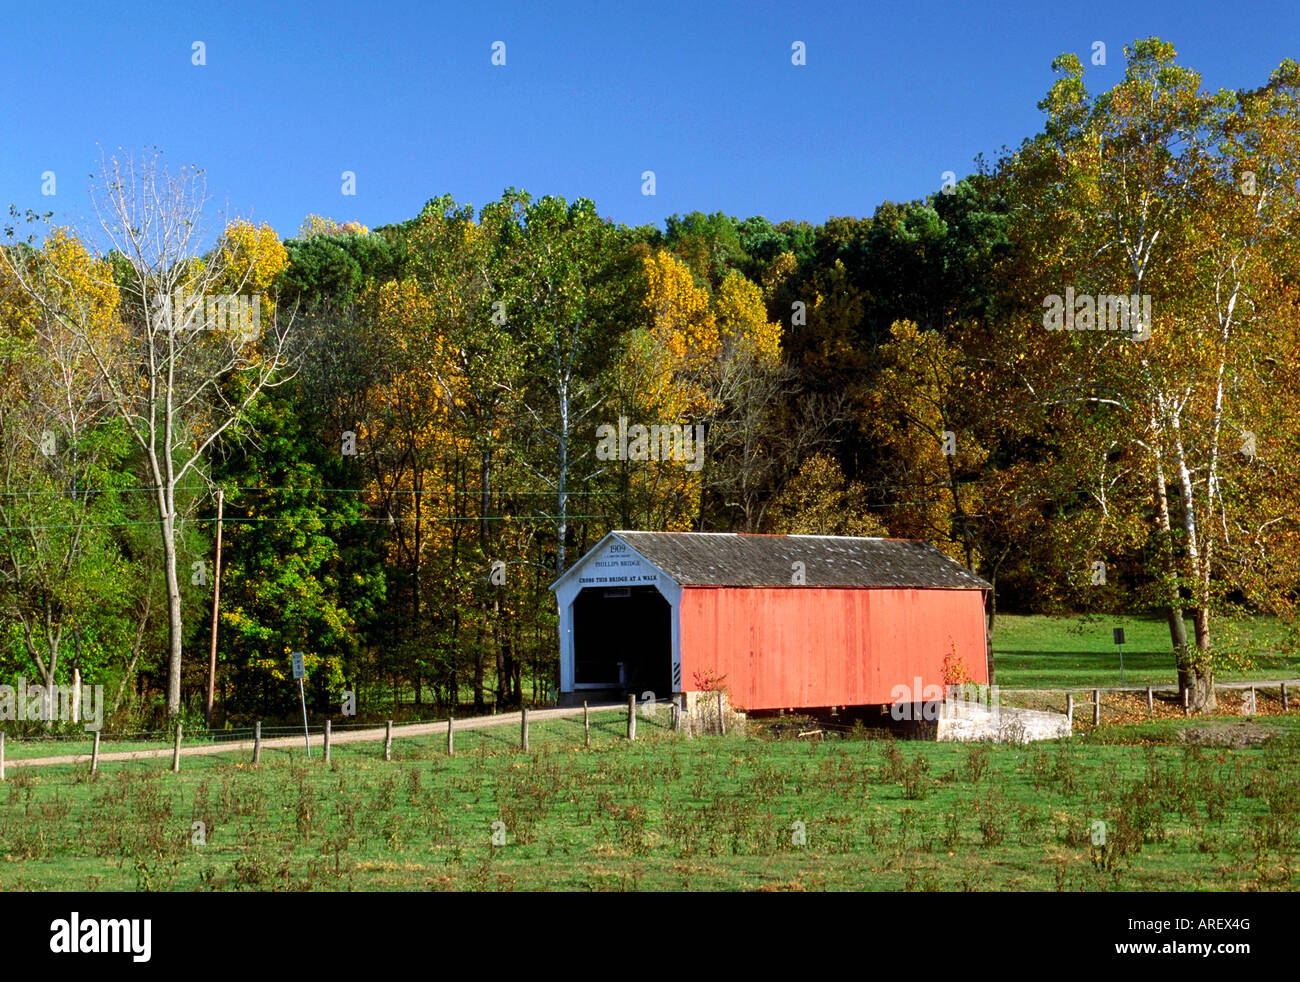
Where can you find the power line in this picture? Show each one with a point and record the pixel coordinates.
(259, 487)
(303, 520)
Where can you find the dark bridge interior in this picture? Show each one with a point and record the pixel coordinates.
(622, 640)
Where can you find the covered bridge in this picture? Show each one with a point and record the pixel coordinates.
(791, 621)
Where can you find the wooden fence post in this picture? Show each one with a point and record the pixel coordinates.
(722, 717)
(679, 703)
(1187, 711)
(176, 751)
(94, 754)
(388, 740)
(257, 743)
(327, 741)
(1253, 710)
(1151, 701)
(1284, 701)
(631, 717)
(523, 728)
(1069, 706)
(451, 741)
(1096, 707)
(586, 725)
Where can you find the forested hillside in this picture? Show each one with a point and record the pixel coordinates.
(403, 420)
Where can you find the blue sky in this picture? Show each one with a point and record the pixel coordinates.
(592, 94)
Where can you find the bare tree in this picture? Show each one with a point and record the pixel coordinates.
(766, 428)
(192, 351)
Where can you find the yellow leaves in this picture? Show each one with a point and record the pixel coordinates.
(320, 225)
(253, 256)
(17, 311)
(679, 361)
(79, 311)
(81, 281)
(417, 398)
(680, 309)
(742, 317)
(401, 307)
(782, 268)
(678, 367)
(665, 364)
(315, 224)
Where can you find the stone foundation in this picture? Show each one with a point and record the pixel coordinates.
(962, 721)
(701, 713)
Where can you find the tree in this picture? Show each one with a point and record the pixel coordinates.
(62, 578)
(567, 288)
(471, 360)
(916, 413)
(198, 340)
(282, 580)
(1137, 193)
(819, 501)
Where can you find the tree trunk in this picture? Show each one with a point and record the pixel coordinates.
(993, 611)
(46, 667)
(1202, 697)
(165, 501)
(174, 626)
(1169, 576)
(562, 531)
(479, 702)
(416, 604)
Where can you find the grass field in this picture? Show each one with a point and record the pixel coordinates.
(668, 813)
(743, 812)
(1056, 652)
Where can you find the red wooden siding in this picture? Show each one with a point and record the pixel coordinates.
(807, 646)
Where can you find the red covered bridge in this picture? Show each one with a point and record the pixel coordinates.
(791, 621)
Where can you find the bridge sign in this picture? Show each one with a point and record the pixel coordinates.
(299, 673)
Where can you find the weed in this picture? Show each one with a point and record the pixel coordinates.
(977, 763)
(916, 779)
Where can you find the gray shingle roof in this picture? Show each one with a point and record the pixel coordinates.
(730, 559)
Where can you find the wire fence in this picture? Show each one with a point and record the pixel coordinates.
(704, 719)
(78, 733)
(268, 739)
(234, 734)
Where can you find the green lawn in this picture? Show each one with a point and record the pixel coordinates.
(712, 813)
(669, 813)
(1037, 652)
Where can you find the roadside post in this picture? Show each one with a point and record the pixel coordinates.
(300, 673)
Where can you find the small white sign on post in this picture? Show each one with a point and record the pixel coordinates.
(300, 672)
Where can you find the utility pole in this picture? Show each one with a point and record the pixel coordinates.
(216, 603)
